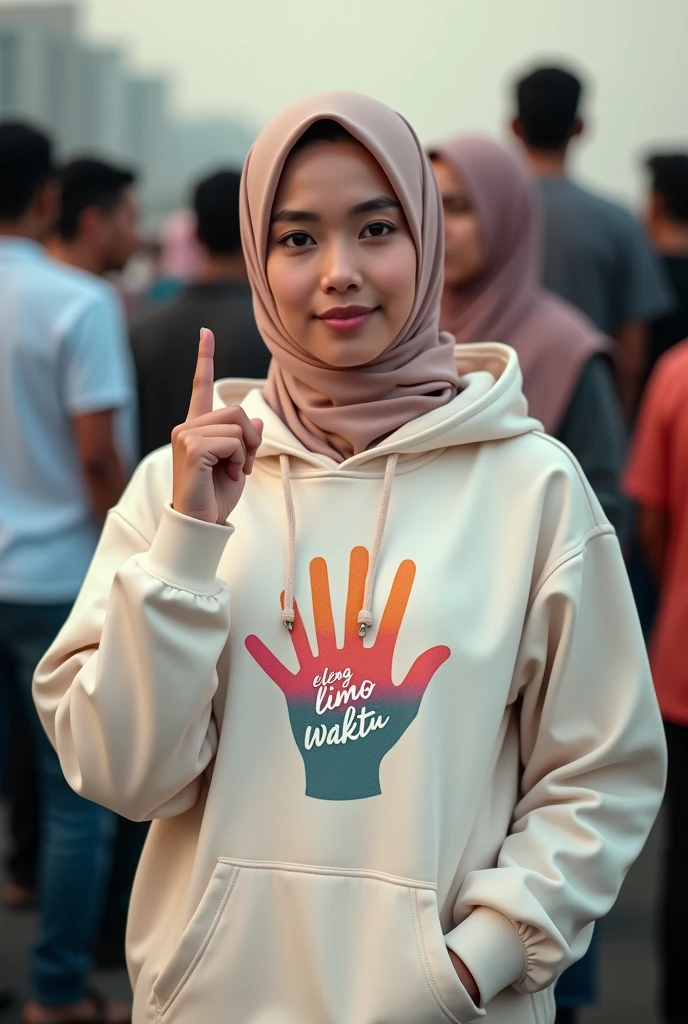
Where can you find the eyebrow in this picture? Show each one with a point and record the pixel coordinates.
(378, 203)
(369, 206)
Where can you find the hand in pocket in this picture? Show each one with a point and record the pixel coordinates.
(465, 977)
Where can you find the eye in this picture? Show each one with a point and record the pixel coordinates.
(297, 240)
(378, 229)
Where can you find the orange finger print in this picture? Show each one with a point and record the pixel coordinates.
(358, 568)
(322, 607)
(395, 609)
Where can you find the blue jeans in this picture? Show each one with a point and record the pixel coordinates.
(577, 987)
(77, 835)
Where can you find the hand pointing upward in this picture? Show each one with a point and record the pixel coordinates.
(212, 451)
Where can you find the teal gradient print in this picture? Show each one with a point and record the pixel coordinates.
(345, 711)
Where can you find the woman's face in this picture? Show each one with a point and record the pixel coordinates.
(341, 263)
(464, 249)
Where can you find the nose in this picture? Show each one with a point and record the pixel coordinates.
(340, 271)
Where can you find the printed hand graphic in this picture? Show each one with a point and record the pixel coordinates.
(345, 711)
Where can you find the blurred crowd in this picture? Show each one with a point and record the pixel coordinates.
(99, 330)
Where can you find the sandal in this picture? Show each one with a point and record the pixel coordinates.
(18, 897)
(100, 1005)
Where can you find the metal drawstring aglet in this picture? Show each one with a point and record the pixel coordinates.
(289, 624)
(363, 629)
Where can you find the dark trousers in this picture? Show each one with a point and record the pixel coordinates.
(129, 840)
(674, 939)
(21, 789)
(77, 835)
(577, 987)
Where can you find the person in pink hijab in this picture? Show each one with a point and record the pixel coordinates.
(492, 292)
(178, 260)
(351, 641)
(180, 254)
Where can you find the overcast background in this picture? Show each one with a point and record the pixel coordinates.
(446, 64)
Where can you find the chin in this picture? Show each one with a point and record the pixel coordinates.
(344, 351)
(343, 355)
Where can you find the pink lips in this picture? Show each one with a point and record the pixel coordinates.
(346, 318)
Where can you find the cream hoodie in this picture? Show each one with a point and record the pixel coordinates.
(331, 811)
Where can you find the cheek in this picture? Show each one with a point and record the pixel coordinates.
(290, 284)
(393, 275)
(126, 242)
(460, 234)
(471, 243)
(453, 240)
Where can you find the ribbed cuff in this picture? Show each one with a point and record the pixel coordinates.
(186, 552)
(491, 949)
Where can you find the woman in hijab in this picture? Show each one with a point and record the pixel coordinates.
(492, 291)
(407, 772)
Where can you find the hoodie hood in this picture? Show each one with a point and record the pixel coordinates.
(490, 406)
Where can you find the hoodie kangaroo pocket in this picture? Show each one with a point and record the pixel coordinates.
(293, 944)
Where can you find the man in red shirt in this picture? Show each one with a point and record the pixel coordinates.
(657, 478)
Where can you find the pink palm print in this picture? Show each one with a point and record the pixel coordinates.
(346, 712)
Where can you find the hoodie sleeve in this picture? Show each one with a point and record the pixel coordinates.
(125, 692)
(593, 756)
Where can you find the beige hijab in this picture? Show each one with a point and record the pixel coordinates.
(342, 412)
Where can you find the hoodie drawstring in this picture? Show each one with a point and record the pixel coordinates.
(364, 620)
(288, 608)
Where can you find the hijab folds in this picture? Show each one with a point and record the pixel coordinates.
(334, 411)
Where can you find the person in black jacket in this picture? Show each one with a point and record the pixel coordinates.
(165, 340)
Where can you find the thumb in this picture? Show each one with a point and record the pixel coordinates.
(423, 669)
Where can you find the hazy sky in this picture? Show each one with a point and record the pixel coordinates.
(444, 63)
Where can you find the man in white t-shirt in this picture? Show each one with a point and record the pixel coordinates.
(97, 232)
(67, 423)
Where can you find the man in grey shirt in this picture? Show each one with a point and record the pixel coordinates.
(597, 256)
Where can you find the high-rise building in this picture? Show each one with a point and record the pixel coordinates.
(147, 133)
(48, 74)
(103, 84)
(24, 87)
(34, 45)
(54, 19)
(90, 100)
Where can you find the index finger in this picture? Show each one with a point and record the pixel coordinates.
(204, 377)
